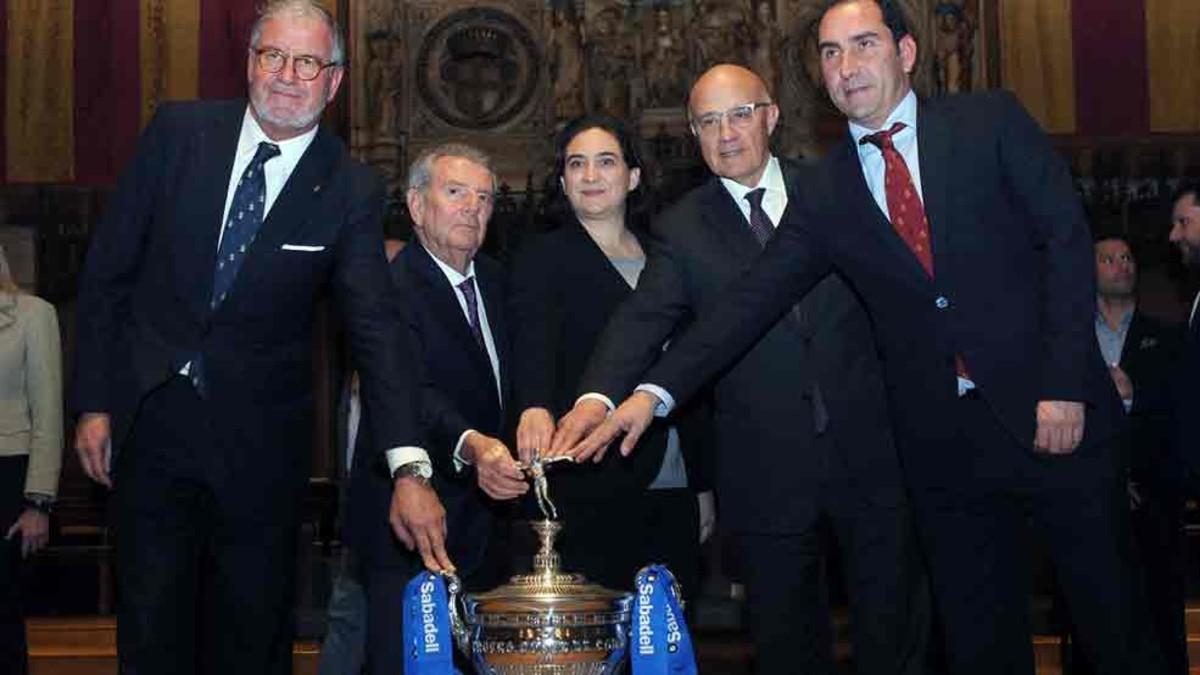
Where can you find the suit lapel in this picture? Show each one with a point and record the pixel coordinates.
(933, 145)
(294, 206)
(493, 303)
(196, 239)
(863, 209)
(725, 218)
(443, 303)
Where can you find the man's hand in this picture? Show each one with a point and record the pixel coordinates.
(630, 418)
(1121, 379)
(419, 520)
(34, 528)
(1059, 427)
(93, 443)
(534, 433)
(587, 414)
(497, 471)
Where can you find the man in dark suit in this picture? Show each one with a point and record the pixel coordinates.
(956, 221)
(1140, 352)
(781, 487)
(455, 300)
(193, 383)
(1185, 234)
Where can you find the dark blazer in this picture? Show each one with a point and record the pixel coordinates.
(563, 290)
(458, 393)
(1014, 291)
(769, 469)
(1186, 387)
(1149, 357)
(144, 297)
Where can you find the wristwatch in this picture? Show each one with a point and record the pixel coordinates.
(41, 503)
(421, 470)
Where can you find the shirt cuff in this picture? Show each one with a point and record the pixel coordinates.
(460, 462)
(1128, 403)
(398, 457)
(666, 402)
(595, 396)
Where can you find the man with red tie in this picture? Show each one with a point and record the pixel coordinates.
(956, 221)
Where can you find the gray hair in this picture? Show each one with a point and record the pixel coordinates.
(420, 174)
(301, 8)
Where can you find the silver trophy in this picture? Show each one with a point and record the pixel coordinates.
(547, 622)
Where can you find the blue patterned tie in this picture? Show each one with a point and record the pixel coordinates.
(242, 225)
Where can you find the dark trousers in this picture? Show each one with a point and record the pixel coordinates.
(203, 586)
(609, 539)
(13, 658)
(889, 599)
(974, 497)
(1158, 532)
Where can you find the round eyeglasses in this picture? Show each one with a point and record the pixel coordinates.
(305, 67)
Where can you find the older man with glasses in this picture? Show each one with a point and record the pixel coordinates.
(803, 437)
(194, 376)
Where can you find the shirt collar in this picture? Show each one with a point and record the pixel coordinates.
(290, 150)
(906, 111)
(771, 179)
(452, 275)
(1126, 319)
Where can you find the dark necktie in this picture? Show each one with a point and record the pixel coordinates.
(760, 224)
(242, 225)
(904, 204)
(468, 290)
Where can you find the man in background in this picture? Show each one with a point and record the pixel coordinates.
(1140, 353)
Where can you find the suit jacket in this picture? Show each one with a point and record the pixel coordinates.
(1186, 387)
(563, 290)
(144, 298)
(770, 464)
(31, 389)
(1013, 292)
(1148, 357)
(459, 392)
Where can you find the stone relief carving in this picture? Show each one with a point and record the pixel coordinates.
(664, 63)
(564, 59)
(477, 68)
(432, 70)
(953, 46)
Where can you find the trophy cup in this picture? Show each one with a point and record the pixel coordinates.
(547, 622)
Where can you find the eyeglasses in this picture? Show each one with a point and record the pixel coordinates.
(739, 117)
(306, 67)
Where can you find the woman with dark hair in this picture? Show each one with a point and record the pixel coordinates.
(31, 442)
(622, 513)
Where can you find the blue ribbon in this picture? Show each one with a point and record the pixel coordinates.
(428, 641)
(659, 640)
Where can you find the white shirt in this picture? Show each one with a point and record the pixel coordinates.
(400, 456)
(870, 157)
(1195, 303)
(774, 203)
(276, 171)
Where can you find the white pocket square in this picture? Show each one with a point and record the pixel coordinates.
(302, 247)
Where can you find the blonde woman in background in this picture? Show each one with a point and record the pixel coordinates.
(31, 441)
